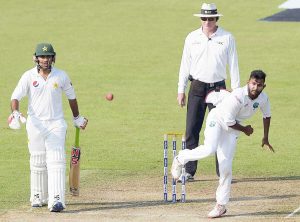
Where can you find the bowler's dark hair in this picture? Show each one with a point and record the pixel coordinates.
(258, 74)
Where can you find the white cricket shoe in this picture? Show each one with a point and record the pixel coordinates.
(37, 202)
(218, 211)
(176, 168)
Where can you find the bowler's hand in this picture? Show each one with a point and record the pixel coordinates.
(248, 130)
(265, 141)
(14, 120)
(181, 99)
(80, 122)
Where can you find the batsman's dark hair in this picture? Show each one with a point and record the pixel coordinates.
(258, 74)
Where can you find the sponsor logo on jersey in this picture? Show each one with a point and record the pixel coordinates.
(35, 83)
(255, 105)
(212, 123)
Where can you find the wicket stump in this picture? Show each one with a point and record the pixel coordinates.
(183, 180)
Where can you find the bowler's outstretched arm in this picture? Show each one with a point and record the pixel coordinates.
(265, 140)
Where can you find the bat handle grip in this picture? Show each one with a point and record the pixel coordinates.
(77, 137)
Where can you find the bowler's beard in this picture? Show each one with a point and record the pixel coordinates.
(253, 94)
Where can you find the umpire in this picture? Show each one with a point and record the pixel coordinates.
(206, 54)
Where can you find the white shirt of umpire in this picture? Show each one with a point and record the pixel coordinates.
(206, 59)
(45, 114)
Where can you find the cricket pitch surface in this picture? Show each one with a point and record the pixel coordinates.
(141, 199)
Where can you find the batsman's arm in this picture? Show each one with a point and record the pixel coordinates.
(14, 105)
(265, 140)
(74, 107)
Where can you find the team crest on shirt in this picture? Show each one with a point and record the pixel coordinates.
(55, 85)
(255, 105)
(212, 123)
(35, 83)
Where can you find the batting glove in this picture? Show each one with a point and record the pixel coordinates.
(14, 120)
(80, 121)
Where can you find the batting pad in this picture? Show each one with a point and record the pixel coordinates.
(38, 177)
(56, 163)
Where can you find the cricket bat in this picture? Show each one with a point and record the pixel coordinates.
(74, 177)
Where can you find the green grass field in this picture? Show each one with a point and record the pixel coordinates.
(133, 49)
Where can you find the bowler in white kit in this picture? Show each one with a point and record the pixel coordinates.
(223, 126)
(46, 127)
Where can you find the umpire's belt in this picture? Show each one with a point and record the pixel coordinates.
(199, 88)
(215, 84)
(209, 86)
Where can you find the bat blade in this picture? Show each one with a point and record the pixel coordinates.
(74, 176)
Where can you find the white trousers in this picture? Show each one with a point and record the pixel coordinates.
(217, 139)
(46, 143)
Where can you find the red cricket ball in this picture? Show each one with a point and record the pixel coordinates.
(109, 96)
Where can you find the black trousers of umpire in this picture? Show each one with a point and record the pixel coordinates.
(196, 109)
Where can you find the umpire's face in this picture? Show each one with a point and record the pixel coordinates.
(45, 61)
(209, 23)
(255, 87)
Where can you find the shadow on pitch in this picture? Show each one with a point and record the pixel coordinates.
(263, 179)
(250, 198)
(252, 179)
(98, 206)
(262, 213)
